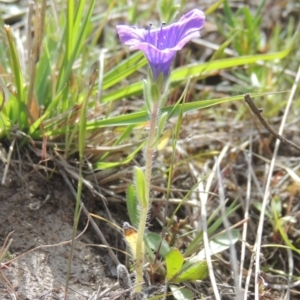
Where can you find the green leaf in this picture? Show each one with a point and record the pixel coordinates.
(174, 111)
(105, 165)
(153, 240)
(204, 69)
(276, 205)
(20, 110)
(213, 7)
(140, 187)
(167, 10)
(192, 271)
(220, 243)
(181, 293)
(46, 114)
(197, 242)
(284, 235)
(147, 95)
(161, 125)
(124, 69)
(174, 261)
(15, 65)
(5, 123)
(76, 31)
(132, 206)
(197, 70)
(142, 116)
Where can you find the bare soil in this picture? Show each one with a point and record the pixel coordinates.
(37, 214)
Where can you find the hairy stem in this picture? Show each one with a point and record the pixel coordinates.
(149, 151)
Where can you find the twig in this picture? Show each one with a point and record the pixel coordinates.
(203, 201)
(8, 160)
(245, 225)
(232, 249)
(263, 121)
(10, 286)
(5, 248)
(266, 198)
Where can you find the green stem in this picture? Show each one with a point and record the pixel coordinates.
(150, 148)
(149, 151)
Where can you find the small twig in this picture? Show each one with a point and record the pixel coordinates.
(8, 160)
(245, 225)
(263, 121)
(5, 248)
(267, 192)
(232, 249)
(10, 286)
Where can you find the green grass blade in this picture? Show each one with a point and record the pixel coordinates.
(124, 69)
(107, 165)
(46, 114)
(69, 36)
(190, 71)
(142, 116)
(181, 74)
(132, 206)
(15, 65)
(77, 39)
(20, 110)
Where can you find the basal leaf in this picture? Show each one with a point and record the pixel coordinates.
(140, 187)
(220, 243)
(154, 241)
(193, 271)
(181, 293)
(174, 261)
(132, 206)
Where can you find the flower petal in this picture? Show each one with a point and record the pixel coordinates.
(161, 44)
(130, 35)
(160, 60)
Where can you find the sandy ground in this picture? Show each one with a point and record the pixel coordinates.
(39, 213)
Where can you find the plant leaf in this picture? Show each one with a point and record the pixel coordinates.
(174, 261)
(132, 206)
(220, 243)
(195, 70)
(181, 293)
(196, 244)
(193, 271)
(140, 187)
(153, 240)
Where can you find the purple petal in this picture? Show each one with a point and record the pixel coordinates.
(161, 44)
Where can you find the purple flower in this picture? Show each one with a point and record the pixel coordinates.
(160, 45)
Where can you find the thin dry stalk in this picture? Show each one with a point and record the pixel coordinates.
(203, 198)
(257, 112)
(34, 50)
(246, 216)
(10, 286)
(266, 199)
(5, 247)
(8, 160)
(101, 74)
(233, 256)
(291, 272)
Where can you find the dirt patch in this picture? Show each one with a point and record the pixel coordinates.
(39, 213)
